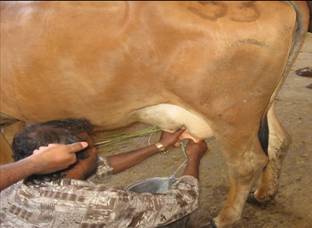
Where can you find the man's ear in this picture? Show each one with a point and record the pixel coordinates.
(81, 155)
(84, 136)
(85, 167)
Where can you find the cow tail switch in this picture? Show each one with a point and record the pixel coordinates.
(263, 134)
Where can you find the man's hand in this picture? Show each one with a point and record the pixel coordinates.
(54, 157)
(169, 139)
(46, 159)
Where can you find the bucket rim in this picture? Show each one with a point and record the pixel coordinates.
(170, 179)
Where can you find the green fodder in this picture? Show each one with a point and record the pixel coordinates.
(117, 140)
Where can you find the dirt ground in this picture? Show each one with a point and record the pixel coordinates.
(292, 206)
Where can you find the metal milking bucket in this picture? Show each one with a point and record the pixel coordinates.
(161, 185)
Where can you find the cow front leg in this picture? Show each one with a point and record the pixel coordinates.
(279, 141)
(245, 160)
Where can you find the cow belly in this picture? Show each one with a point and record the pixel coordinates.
(172, 117)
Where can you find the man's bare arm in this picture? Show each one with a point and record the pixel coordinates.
(44, 160)
(15, 171)
(195, 152)
(121, 162)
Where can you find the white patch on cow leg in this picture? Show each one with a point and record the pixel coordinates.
(172, 117)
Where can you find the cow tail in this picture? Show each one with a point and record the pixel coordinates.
(298, 37)
(263, 134)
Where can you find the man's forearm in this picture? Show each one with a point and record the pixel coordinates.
(121, 162)
(192, 168)
(13, 172)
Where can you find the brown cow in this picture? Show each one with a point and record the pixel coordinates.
(214, 67)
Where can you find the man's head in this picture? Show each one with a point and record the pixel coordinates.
(57, 131)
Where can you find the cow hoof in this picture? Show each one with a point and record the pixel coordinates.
(210, 224)
(259, 203)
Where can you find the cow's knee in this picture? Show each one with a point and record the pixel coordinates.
(246, 167)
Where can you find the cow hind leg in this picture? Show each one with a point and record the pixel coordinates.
(279, 141)
(245, 159)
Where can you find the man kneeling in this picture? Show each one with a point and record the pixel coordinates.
(69, 198)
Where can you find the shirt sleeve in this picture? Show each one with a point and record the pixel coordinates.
(152, 210)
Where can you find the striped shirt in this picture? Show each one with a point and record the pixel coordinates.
(74, 203)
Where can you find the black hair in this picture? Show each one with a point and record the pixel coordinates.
(65, 131)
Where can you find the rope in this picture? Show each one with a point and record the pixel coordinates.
(183, 164)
